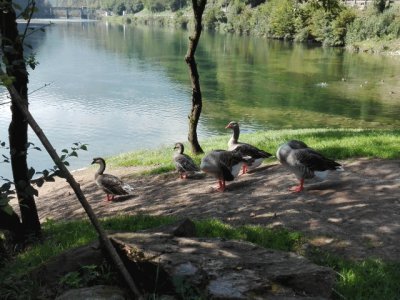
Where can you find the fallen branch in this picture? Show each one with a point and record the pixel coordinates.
(17, 100)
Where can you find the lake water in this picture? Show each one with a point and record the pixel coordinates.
(120, 88)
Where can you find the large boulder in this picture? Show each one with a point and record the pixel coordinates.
(221, 269)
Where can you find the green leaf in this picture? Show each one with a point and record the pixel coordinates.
(84, 147)
(73, 153)
(31, 191)
(7, 209)
(50, 179)
(5, 187)
(31, 172)
(40, 182)
(66, 163)
(64, 150)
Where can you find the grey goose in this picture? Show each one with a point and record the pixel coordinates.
(184, 164)
(245, 149)
(305, 162)
(223, 165)
(110, 184)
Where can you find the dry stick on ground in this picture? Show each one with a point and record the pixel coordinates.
(78, 192)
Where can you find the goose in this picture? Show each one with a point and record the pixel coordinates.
(245, 149)
(184, 164)
(110, 184)
(304, 162)
(224, 165)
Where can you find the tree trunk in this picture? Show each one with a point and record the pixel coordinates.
(12, 48)
(198, 9)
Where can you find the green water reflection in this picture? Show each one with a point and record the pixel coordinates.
(264, 83)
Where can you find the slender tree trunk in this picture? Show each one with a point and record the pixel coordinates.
(198, 9)
(78, 192)
(12, 48)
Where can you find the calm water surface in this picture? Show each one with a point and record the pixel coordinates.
(121, 88)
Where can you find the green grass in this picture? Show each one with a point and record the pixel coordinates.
(334, 143)
(278, 239)
(368, 279)
(364, 280)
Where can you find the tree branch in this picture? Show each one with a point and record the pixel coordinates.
(18, 101)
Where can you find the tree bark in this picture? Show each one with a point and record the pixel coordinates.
(198, 9)
(12, 48)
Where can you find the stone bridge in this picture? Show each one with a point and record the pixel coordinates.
(72, 12)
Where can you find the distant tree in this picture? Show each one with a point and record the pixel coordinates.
(14, 61)
(380, 5)
(198, 9)
(177, 4)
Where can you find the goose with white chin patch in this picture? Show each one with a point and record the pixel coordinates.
(245, 149)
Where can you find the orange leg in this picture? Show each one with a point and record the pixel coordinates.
(110, 197)
(298, 188)
(221, 185)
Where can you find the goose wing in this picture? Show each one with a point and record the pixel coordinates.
(314, 160)
(184, 163)
(250, 150)
(113, 185)
(217, 163)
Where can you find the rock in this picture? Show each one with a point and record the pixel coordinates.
(220, 269)
(184, 228)
(98, 292)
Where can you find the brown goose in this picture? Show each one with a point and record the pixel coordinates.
(224, 165)
(245, 149)
(110, 184)
(305, 162)
(184, 164)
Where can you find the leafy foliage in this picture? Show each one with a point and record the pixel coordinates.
(47, 175)
(371, 25)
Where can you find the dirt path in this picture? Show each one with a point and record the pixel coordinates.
(355, 213)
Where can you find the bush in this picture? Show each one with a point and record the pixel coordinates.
(213, 17)
(372, 25)
(281, 18)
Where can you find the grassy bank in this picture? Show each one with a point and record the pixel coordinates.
(334, 143)
(369, 279)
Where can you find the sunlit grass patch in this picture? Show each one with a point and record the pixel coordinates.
(279, 239)
(334, 143)
(368, 279)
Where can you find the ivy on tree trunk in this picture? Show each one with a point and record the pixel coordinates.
(198, 9)
(13, 58)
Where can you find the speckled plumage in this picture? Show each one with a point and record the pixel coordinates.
(110, 184)
(304, 162)
(184, 164)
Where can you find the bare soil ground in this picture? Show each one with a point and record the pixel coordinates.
(355, 213)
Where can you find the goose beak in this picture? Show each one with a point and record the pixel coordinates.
(94, 161)
(228, 126)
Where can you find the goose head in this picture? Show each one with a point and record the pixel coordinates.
(101, 162)
(179, 148)
(98, 160)
(232, 125)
